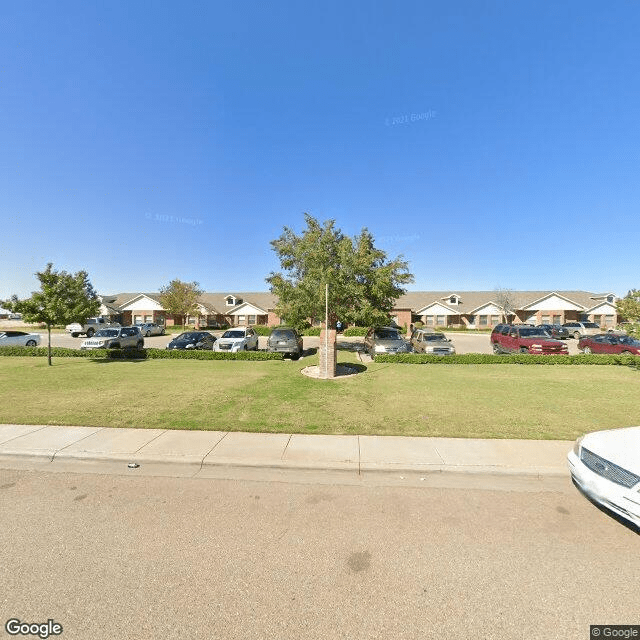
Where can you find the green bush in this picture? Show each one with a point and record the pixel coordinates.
(515, 358)
(56, 352)
(311, 331)
(192, 354)
(351, 332)
(135, 354)
(262, 330)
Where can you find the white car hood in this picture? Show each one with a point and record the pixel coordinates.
(620, 446)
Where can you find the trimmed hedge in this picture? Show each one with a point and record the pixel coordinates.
(515, 358)
(56, 352)
(353, 332)
(143, 354)
(191, 354)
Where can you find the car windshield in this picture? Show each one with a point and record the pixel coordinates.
(107, 333)
(591, 325)
(629, 340)
(233, 334)
(282, 334)
(534, 332)
(434, 337)
(187, 336)
(386, 334)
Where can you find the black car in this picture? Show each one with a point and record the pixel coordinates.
(192, 340)
(555, 330)
(285, 340)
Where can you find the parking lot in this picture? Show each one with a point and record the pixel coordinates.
(463, 342)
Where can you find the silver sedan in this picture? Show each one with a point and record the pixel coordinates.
(19, 339)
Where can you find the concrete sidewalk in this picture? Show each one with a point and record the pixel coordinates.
(199, 452)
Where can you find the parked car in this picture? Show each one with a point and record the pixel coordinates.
(385, 340)
(90, 326)
(555, 330)
(428, 341)
(115, 338)
(609, 343)
(579, 329)
(605, 465)
(150, 329)
(285, 340)
(237, 339)
(510, 338)
(193, 340)
(19, 339)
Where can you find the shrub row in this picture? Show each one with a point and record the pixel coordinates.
(134, 354)
(515, 358)
(352, 332)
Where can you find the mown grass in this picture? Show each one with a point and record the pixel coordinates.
(479, 401)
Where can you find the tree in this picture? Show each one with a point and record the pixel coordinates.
(363, 283)
(180, 298)
(63, 298)
(629, 307)
(505, 300)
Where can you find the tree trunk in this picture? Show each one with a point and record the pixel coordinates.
(49, 344)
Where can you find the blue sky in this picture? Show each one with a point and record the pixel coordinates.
(493, 144)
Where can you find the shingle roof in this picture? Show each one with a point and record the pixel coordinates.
(414, 300)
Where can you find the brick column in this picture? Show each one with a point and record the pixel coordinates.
(328, 353)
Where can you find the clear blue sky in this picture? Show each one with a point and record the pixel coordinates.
(493, 144)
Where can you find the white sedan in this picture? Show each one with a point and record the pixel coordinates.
(605, 465)
(237, 339)
(19, 339)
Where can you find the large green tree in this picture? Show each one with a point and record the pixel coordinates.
(363, 283)
(629, 306)
(180, 298)
(63, 298)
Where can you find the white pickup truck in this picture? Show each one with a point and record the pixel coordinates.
(90, 326)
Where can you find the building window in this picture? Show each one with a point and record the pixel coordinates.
(441, 320)
(495, 320)
(242, 319)
(557, 319)
(252, 319)
(482, 321)
(597, 319)
(230, 301)
(148, 318)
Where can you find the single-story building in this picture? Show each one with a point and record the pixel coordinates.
(463, 309)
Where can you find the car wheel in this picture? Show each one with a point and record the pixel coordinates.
(31, 343)
(524, 350)
(496, 348)
(576, 335)
(587, 350)
(140, 345)
(75, 335)
(295, 356)
(146, 335)
(90, 333)
(245, 348)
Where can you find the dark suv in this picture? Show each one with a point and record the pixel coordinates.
(514, 338)
(285, 340)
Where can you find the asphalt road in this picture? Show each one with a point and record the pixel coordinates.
(138, 557)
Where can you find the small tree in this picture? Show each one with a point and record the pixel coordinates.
(363, 283)
(180, 298)
(505, 300)
(63, 298)
(629, 307)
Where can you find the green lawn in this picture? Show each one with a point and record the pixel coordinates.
(497, 401)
